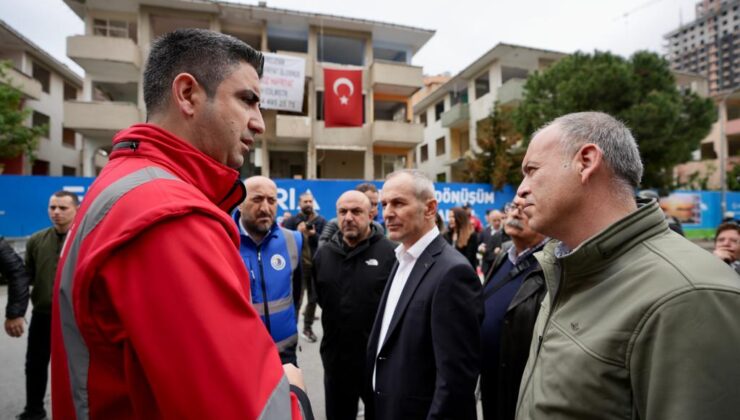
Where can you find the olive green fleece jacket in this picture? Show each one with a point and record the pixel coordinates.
(639, 323)
(42, 255)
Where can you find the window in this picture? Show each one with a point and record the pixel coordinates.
(70, 92)
(423, 118)
(40, 167)
(424, 153)
(440, 146)
(390, 111)
(459, 96)
(441, 177)
(69, 170)
(288, 41)
(482, 86)
(38, 119)
(68, 137)
(390, 54)
(438, 110)
(508, 73)
(114, 28)
(341, 50)
(43, 75)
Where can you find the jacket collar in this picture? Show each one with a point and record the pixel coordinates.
(597, 252)
(244, 235)
(219, 183)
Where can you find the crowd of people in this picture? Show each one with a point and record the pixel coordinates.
(173, 292)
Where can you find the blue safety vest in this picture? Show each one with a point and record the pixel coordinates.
(271, 265)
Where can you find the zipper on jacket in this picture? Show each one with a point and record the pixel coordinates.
(265, 303)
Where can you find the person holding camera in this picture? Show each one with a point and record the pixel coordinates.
(310, 224)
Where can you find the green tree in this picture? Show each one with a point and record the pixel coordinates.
(15, 137)
(641, 91)
(499, 161)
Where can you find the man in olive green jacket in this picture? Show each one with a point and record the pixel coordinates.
(638, 323)
(42, 255)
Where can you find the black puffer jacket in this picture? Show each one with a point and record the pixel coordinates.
(350, 283)
(13, 270)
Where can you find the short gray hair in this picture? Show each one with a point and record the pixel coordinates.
(423, 186)
(611, 135)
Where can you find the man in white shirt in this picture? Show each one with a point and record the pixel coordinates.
(424, 349)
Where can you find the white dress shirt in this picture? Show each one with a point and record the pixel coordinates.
(406, 261)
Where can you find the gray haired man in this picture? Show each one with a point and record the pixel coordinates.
(638, 321)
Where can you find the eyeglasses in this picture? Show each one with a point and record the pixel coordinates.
(510, 207)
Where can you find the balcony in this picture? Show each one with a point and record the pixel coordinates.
(511, 92)
(29, 87)
(100, 119)
(456, 117)
(292, 126)
(106, 58)
(395, 78)
(397, 133)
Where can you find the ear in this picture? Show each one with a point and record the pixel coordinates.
(187, 94)
(588, 160)
(430, 208)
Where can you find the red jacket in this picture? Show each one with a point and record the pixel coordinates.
(152, 317)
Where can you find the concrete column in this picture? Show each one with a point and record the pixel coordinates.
(265, 158)
(88, 157)
(369, 166)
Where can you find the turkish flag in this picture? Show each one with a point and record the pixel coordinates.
(342, 98)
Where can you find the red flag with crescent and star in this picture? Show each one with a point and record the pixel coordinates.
(342, 98)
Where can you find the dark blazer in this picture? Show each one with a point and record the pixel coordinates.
(428, 366)
(492, 241)
(500, 379)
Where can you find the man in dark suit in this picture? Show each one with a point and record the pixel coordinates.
(424, 348)
(491, 239)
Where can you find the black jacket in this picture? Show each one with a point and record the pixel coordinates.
(469, 251)
(500, 392)
(493, 241)
(318, 223)
(349, 284)
(428, 365)
(13, 270)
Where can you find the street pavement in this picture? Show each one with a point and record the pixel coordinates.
(13, 353)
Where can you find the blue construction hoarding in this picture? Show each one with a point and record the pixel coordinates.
(25, 198)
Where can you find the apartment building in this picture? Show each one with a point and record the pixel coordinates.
(709, 44)
(45, 83)
(451, 114)
(117, 40)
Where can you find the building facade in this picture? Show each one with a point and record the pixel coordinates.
(45, 84)
(117, 40)
(451, 114)
(709, 44)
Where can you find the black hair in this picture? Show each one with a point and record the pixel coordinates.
(73, 196)
(207, 55)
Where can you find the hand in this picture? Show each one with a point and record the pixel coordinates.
(726, 255)
(14, 326)
(301, 227)
(482, 248)
(295, 377)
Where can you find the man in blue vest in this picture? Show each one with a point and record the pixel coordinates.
(276, 259)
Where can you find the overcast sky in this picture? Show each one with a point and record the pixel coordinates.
(466, 29)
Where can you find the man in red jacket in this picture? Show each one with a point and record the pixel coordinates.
(152, 317)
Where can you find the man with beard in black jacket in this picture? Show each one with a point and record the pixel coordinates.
(351, 271)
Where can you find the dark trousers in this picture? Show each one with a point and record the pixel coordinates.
(309, 315)
(37, 362)
(341, 395)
